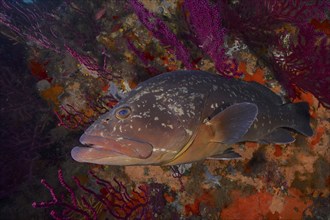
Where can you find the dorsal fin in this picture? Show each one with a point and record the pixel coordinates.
(272, 96)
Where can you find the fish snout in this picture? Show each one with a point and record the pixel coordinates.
(118, 145)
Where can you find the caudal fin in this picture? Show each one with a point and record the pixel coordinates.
(300, 113)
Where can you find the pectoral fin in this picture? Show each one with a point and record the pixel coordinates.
(233, 122)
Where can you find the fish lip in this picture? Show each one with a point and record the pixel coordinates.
(118, 145)
(92, 155)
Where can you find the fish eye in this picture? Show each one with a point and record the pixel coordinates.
(123, 112)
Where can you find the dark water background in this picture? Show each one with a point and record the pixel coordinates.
(33, 146)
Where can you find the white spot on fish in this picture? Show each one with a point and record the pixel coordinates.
(188, 131)
(161, 108)
(170, 126)
(156, 118)
(191, 105)
(138, 96)
(158, 97)
(139, 129)
(131, 126)
(164, 150)
(146, 114)
(136, 116)
(157, 90)
(176, 109)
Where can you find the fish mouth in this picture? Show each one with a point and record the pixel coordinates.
(99, 148)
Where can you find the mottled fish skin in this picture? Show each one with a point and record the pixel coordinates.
(176, 118)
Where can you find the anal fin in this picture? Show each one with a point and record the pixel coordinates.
(278, 136)
(228, 154)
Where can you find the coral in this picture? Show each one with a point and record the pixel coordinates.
(42, 27)
(255, 206)
(263, 205)
(294, 205)
(144, 56)
(160, 30)
(115, 200)
(38, 70)
(194, 208)
(26, 24)
(206, 24)
(178, 172)
(90, 64)
(204, 21)
(156, 193)
(317, 136)
(258, 76)
(52, 94)
(305, 65)
(280, 33)
(323, 26)
(72, 118)
(256, 22)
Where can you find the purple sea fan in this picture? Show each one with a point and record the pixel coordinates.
(28, 24)
(305, 65)
(206, 23)
(161, 31)
(255, 20)
(269, 28)
(113, 200)
(89, 63)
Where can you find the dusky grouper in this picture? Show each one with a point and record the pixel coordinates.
(185, 116)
